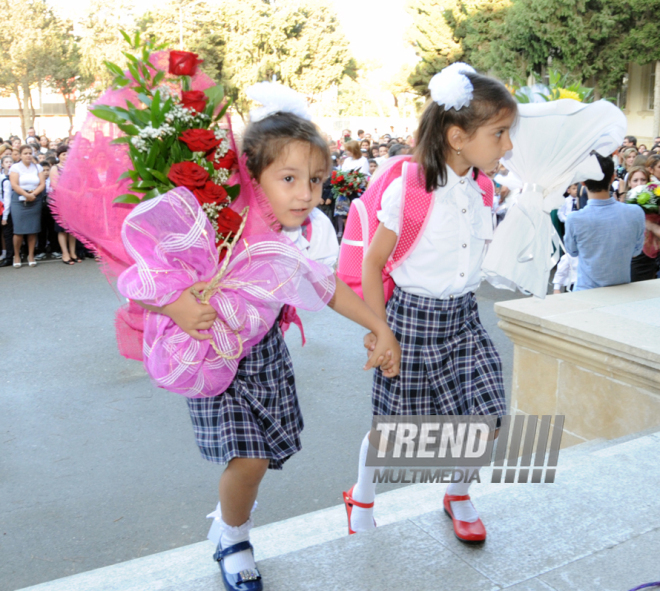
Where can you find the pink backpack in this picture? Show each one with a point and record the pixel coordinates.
(416, 206)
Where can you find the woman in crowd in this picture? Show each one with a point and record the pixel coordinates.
(355, 160)
(365, 146)
(43, 144)
(627, 160)
(374, 151)
(28, 183)
(66, 241)
(653, 166)
(637, 175)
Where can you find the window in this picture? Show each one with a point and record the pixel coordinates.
(649, 86)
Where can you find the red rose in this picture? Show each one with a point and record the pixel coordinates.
(200, 140)
(210, 193)
(227, 161)
(228, 221)
(188, 174)
(183, 63)
(194, 99)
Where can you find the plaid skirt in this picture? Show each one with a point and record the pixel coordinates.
(449, 365)
(258, 416)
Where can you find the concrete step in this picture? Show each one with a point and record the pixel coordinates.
(597, 527)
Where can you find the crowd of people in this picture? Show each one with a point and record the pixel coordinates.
(29, 172)
(365, 154)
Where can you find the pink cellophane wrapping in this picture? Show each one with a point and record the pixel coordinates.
(83, 199)
(172, 243)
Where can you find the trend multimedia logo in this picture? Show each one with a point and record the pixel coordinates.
(520, 448)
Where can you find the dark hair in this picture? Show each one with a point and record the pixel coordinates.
(632, 139)
(51, 160)
(372, 161)
(382, 146)
(61, 149)
(25, 147)
(398, 149)
(490, 97)
(263, 141)
(45, 163)
(607, 166)
(360, 131)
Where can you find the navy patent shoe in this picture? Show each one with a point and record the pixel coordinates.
(248, 579)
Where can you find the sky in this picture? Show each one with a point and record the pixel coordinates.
(375, 28)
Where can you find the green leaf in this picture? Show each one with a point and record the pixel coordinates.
(121, 140)
(113, 68)
(126, 175)
(159, 176)
(134, 72)
(222, 112)
(127, 128)
(232, 190)
(137, 39)
(154, 152)
(153, 193)
(126, 37)
(156, 117)
(122, 82)
(215, 94)
(145, 175)
(143, 185)
(130, 57)
(106, 115)
(158, 78)
(145, 99)
(126, 198)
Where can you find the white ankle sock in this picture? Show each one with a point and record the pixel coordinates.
(463, 510)
(364, 492)
(228, 535)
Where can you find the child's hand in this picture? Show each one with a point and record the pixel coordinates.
(370, 343)
(386, 352)
(190, 315)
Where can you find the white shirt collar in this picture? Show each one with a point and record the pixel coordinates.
(453, 179)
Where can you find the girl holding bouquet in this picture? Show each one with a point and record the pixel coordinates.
(255, 424)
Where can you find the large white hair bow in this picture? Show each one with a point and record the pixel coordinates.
(276, 98)
(451, 88)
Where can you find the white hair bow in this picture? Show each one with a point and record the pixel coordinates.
(276, 98)
(451, 88)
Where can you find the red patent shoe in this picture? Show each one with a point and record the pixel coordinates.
(471, 533)
(350, 502)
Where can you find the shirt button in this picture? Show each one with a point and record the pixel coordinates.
(464, 210)
(462, 181)
(462, 274)
(464, 245)
(451, 297)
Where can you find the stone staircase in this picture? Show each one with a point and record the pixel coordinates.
(596, 528)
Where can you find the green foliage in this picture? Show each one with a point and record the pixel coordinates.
(592, 40)
(300, 44)
(560, 86)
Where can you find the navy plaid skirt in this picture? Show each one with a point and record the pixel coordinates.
(449, 365)
(258, 416)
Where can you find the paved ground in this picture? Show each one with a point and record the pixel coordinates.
(97, 466)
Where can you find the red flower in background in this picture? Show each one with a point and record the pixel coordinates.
(210, 193)
(184, 63)
(227, 161)
(228, 221)
(194, 99)
(200, 140)
(188, 174)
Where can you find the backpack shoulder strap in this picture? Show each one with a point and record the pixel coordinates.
(487, 188)
(416, 207)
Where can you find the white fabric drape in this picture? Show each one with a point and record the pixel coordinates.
(552, 148)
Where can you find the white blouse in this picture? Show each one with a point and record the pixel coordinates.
(324, 247)
(28, 176)
(446, 262)
(361, 164)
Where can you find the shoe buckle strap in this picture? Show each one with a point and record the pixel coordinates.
(221, 553)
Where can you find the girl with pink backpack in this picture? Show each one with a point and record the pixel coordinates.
(427, 222)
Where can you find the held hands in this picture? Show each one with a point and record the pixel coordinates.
(383, 351)
(190, 315)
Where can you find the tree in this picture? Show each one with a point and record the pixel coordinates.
(300, 44)
(28, 40)
(65, 73)
(100, 38)
(432, 38)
